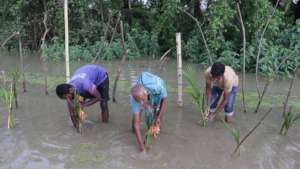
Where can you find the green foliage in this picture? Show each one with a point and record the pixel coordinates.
(221, 26)
(165, 23)
(197, 94)
(133, 50)
(233, 132)
(146, 42)
(150, 120)
(152, 31)
(288, 121)
(4, 96)
(7, 98)
(54, 52)
(193, 49)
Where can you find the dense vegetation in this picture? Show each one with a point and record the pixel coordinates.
(151, 25)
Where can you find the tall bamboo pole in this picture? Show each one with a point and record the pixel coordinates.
(22, 62)
(67, 40)
(179, 69)
(260, 46)
(125, 56)
(244, 52)
(285, 104)
(202, 34)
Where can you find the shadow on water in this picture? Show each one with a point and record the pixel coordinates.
(44, 137)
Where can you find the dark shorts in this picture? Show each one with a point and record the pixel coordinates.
(103, 89)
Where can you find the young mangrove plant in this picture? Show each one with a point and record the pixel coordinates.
(80, 115)
(7, 98)
(288, 121)
(235, 133)
(152, 129)
(196, 93)
(15, 78)
(241, 141)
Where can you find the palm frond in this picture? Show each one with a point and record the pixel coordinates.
(296, 116)
(233, 132)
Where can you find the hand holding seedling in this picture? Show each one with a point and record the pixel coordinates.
(211, 116)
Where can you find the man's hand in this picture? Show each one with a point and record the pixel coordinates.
(211, 116)
(157, 122)
(142, 148)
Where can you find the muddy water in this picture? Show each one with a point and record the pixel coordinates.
(44, 137)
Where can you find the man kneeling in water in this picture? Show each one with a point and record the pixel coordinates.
(225, 81)
(149, 95)
(90, 82)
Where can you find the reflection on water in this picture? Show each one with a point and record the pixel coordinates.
(44, 137)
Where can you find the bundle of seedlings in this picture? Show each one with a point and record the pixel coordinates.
(288, 120)
(235, 133)
(15, 78)
(7, 96)
(196, 93)
(80, 115)
(152, 128)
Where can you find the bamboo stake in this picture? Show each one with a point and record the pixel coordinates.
(201, 32)
(262, 95)
(111, 39)
(66, 40)
(115, 30)
(251, 131)
(163, 59)
(125, 56)
(260, 45)
(43, 45)
(162, 63)
(270, 80)
(285, 104)
(14, 89)
(108, 24)
(244, 52)
(164, 55)
(22, 63)
(8, 38)
(179, 70)
(10, 121)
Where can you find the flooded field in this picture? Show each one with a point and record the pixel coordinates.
(45, 139)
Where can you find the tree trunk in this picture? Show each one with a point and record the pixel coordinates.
(66, 40)
(22, 64)
(285, 104)
(127, 12)
(179, 69)
(197, 11)
(15, 91)
(260, 46)
(125, 56)
(43, 46)
(244, 53)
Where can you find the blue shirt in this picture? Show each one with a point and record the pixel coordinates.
(154, 99)
(86, 76)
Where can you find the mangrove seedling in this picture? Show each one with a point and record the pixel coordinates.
(251, 131)
(288, 121)
(235, 133)
(152, 129)
(80, 115)
(15, 78)
(7, 98)
(196, 93)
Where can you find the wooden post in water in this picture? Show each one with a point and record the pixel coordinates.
(125, 56)
(179, 69)
(21, 62)
(67, 40)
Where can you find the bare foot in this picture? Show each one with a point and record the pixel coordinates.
(229, 119)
